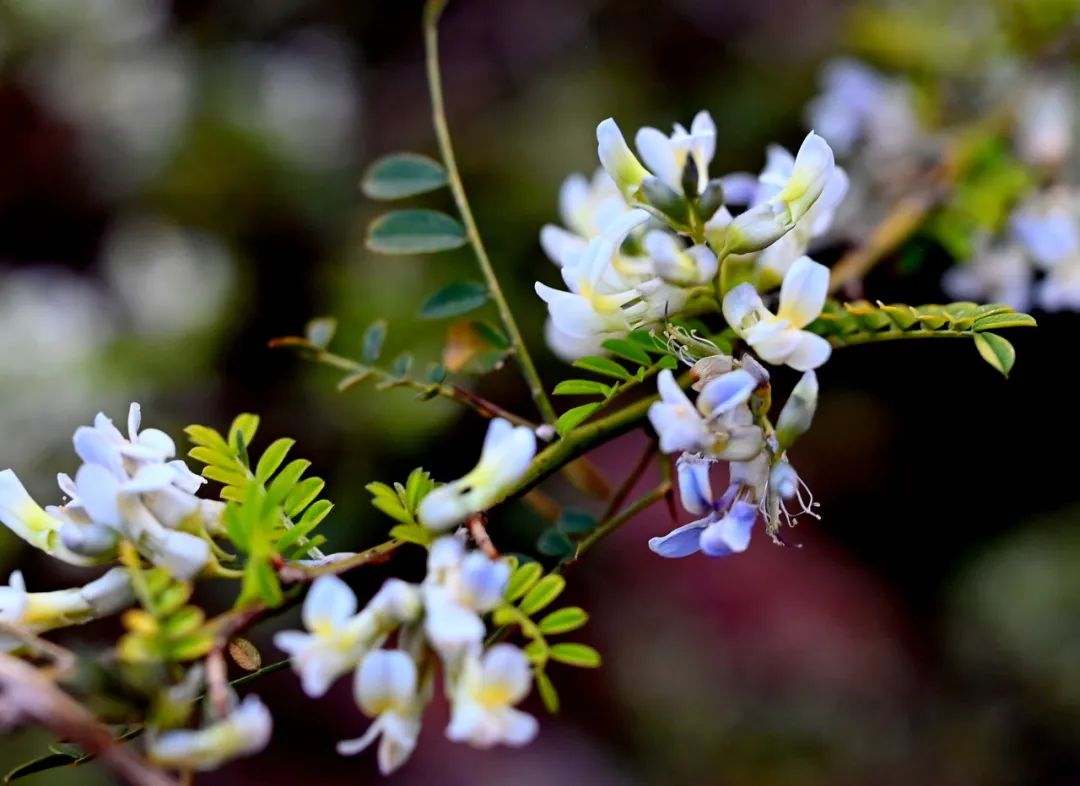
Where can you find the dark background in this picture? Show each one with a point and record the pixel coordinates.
(926, 631)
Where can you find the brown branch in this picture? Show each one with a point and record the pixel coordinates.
(478, 530)
(27, 695)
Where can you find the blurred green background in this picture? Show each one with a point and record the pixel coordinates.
(180, 185)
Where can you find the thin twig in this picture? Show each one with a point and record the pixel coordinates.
(28, 696)
(616, 521)
(432, 11)
(624, 489)
(447, 390)
(476, 524)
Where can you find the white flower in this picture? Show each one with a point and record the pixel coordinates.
(243, 732)
(38, 612)
(587, 208)
(385, 688)
(338, 637)
(506, 455)
(484, 696)
(719, 425)
(600, 302)
(667, 156)
(458, 588)
(794, 193)
(615, 156)
(779, 338)
(677, 422)
(32, 523)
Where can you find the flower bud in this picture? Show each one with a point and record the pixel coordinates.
(711, 199)
(798, 412)
(665, 199)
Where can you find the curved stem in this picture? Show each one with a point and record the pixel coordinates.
(620, 518)
(432, 11)
(447, 390)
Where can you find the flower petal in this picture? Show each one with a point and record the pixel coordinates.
(742, 307)
(726, 392)
(506, 669)
(328, 604)
(802, 295)
(386, 680)
(810, 352)
(680, 542)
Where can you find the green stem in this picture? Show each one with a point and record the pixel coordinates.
(855, 339)
(447, 390)
(620, 518)
(432, 11)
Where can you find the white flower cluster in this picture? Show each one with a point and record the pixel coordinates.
(1037, 260)
(624, 253)
(441, 616)
(129, 488)
(721, 426)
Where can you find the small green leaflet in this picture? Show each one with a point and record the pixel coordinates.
(602, 365)
(573, 418)
(401, 175)
(415, 232)
(996, 351)
(454, 299)
(373, 341)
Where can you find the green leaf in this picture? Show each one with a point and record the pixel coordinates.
(605, 366)
(545, 591)
(213, 457)
(317, 511)
(554, 543)
(996, 321)
(547, 691)
(207, 437)
(401, 175)
(272, 457)
(402, 365)
(576, 522)
(413, 533)
(230, 477)
(522, 580)
(563, 620)
(306, 492)
(996, 351)
(572, 418)
(320, 331)
(415, 232)
(630, 350)
(582, 387)
(286, 481)
(49, 761)
(454, 299)
(573, 654)
(374, 337)
(243, 426)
